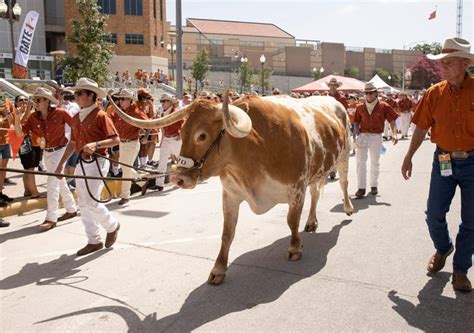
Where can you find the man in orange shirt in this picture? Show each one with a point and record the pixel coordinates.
(92, 131)
(369, 122)
(129, 139)
(6, 120)
(447, 108)
(405, 106)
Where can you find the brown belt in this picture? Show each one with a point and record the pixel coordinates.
(50, 150)
(128, 140)
(457, 155)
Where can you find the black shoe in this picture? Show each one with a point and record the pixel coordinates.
(8, 181)
(374, 191)
(6, 198)
(4, 223)
(360, 193)
(156, 188)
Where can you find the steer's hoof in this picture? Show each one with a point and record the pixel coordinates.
(215, 279)
(310, 228)
(294, 256)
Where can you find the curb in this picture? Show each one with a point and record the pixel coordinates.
(27, 205)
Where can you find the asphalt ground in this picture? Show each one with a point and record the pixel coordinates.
(366, 272)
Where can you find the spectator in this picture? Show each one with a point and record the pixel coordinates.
(6, 120)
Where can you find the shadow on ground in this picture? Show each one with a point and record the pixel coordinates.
(254, 278)
(435, 312)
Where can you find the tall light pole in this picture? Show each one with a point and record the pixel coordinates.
(262, 61)
(10, 11)
(403, 60)
(171, 47)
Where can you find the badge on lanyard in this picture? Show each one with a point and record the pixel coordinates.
(445, 165)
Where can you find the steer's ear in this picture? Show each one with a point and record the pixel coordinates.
(243, 105)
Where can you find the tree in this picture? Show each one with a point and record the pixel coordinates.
(424, 73)
(200, 67)
(382, 73)
(245, 75)
(351, 71)
(264, 76)
(316, 73)
(93, 51)
(395, 79)
(433, 48)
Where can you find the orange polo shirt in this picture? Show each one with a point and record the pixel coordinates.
(374, 123)
(96, 127)
(124, 129)
(449, 114)
(405, 105)
(51, 128)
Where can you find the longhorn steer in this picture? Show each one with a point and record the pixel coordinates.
(269, 151)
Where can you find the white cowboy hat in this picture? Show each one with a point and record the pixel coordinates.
(454, 47)
(334, 81)
(166, 97)
(45, 93)
(369, 87)
(126, 93)
(87, 84)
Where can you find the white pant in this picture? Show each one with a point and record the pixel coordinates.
(405, 118)
(169, 146)
(386, 129)
(128, 154)
(92, 212)
(57, 187)
(365, 143)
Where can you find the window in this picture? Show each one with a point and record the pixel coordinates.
(134, 39)
(112, 38)
(155, 39)
(134, 7)
(107, 6)
(161, 10)
(154, 8)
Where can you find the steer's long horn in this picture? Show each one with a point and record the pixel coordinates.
(236, 121)
(153, 123)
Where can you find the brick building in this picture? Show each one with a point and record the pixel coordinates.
(138, 29)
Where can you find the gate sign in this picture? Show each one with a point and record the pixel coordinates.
(24, 44)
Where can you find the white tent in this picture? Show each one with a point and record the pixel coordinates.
(382, 85)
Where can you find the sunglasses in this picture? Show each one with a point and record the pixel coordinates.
(39, 99)
(164, 101)
(80, 92)
(124, 99)
(371, 93)
(22, 100)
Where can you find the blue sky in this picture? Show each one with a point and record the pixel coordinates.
(373, 23)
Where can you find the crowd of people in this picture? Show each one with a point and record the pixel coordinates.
(80, 123)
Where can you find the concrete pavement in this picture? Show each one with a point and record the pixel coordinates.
(360, 273)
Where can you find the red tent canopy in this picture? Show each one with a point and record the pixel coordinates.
(348, 84)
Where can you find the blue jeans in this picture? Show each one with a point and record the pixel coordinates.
(442, 191)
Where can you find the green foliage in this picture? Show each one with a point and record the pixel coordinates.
(351, 71)
(93, 51)
(395, 79)
(316, 72)
(263, 76)
(245, 76)
(200, 66)
(433, 48)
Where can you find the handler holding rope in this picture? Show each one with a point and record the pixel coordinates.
(92, 131)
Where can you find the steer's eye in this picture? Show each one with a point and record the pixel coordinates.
(202, 137)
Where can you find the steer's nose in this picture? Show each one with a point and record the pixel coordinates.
(177, 180)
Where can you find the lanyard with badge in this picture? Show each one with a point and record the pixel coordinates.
(445, 165)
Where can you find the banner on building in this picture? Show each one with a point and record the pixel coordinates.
(23, 48)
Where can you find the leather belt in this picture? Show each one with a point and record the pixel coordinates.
(457, 155)
(50, 150)
(128, 140)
